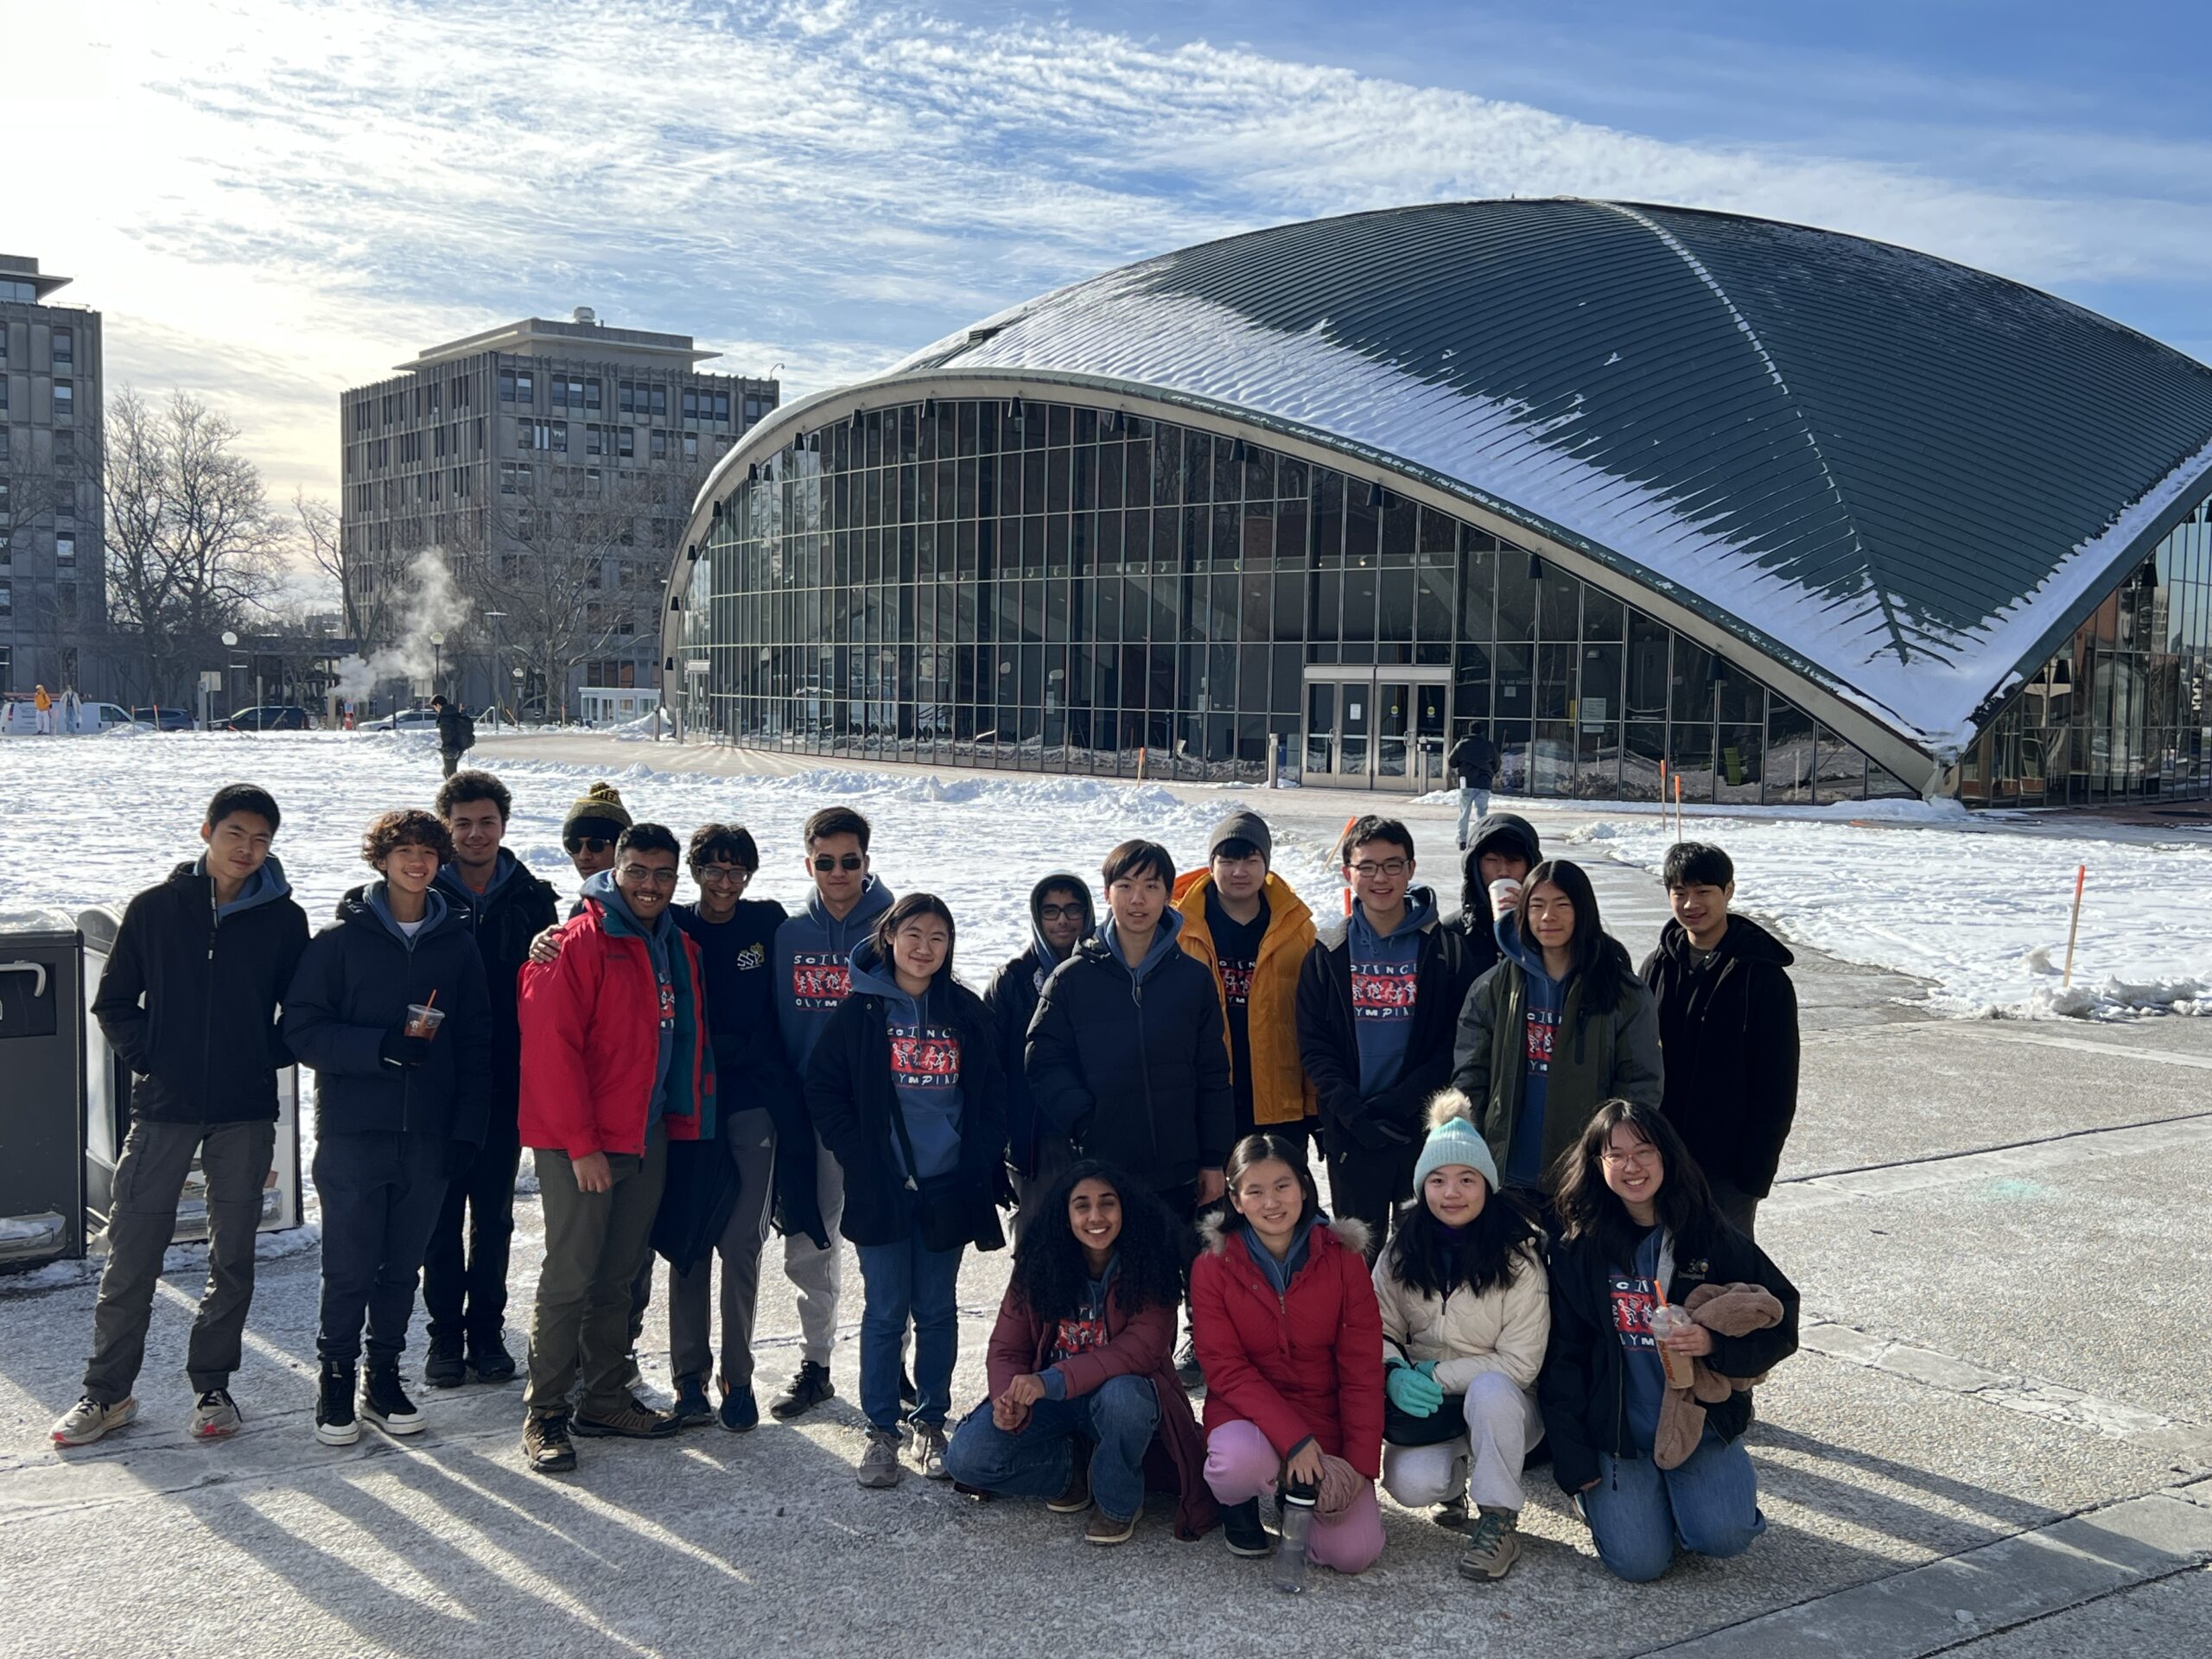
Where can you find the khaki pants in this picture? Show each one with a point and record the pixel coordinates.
(594, 1243)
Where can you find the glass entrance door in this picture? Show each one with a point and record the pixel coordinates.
(1371, 732)
(1355, 729)
(1394, 717)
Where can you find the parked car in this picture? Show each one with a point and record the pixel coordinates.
(271, 717)
(407, 719)
(19, 717)
(165, 717)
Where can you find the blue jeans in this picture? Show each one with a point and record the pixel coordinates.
(1474, 804)
(1638, 1512)
(907, 1284)
(1036, 1459)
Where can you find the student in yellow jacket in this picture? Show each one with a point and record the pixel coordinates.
(1252, 932)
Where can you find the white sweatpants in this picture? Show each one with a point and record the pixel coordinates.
(1502, 1420)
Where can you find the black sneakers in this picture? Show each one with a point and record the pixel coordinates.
(445, 1368)
(489, 1359)
(334, 1421)
(1240, 1525)
(692, 1407)
(385, 1402)
(808, 1389)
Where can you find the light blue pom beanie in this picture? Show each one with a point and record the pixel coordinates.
(1453, 1138)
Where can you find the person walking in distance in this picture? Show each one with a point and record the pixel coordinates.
(1060, 915)
(42, 711)
(189, 1001)
(457, 733)
(616, 1060)
(812, 969)
(465, 1268)
(1474, 759)
(1378, 1000)
(1728, 1028)
(389, 1007)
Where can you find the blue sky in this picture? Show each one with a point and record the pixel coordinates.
(280, 198)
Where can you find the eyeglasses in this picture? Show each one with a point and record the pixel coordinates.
(1639, 1156)
(825, 863)
(1060, 913)
(720, 875)
(638, 874)
(591, 843)
(1369, 868)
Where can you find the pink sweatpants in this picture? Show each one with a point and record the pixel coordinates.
(1241, 1465)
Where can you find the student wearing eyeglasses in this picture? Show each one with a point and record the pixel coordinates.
(1061, 915)
(1378, 1006)
(812, 976)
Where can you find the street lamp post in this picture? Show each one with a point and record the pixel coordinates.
(495, 618)
(437, 662)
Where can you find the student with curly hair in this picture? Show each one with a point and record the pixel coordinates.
(400, 1102)
(1085, 1403)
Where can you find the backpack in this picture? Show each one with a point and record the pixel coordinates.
(467, 731)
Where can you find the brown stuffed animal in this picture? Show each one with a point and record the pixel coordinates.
(1731, 1311)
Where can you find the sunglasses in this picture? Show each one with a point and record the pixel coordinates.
(825, 862)
(591, 843)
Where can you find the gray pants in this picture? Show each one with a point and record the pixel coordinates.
(1484, 1463)
(750, 1138)
(816, 1275)
(149, 1182)
(594, 1242)
(1054, 1158)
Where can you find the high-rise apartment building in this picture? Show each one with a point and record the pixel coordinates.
(52, 585)
(549, 467)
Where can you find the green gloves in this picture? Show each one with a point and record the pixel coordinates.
(1412, 1389)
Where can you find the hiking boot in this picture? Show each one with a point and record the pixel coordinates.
(1493, 1545)
(692, 1408)
(1188, 1371)
(384, 1402)
(334, 1421)
(445, 1368)
(929, 1451)
(1076, 1498)
(489, 1359)
(808, 1389)
(1240, 1525)
(631, 1420)
(1451, 1512)
(214, 1416)
(546, 1447)
(88, 1420)
(1105, 1530)
(880, 1462)
(739, 1412)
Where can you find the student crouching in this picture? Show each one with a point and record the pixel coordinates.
(1085, 1408)
(1652, 1446)
(1465, 1314)
(1284, 1316)
(400, 1103)
(905, 1093)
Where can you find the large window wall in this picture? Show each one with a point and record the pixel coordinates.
(1050, 588)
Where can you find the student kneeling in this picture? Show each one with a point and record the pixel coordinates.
(1084, 1394)
(1655, 1459)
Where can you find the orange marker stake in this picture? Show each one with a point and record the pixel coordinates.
(2080, 875)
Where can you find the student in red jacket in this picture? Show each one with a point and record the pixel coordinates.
(615, 1063)
(1284, 1314)
(1083, 1400)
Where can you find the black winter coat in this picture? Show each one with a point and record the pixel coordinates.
(1138, 1075)
(355, 981)
(503, 923)
(1328, 1042)
(1011, 999)
(851, 1099)
(190, 1002)
(1500, 832)
(1583, 1389)
(1729, 1033)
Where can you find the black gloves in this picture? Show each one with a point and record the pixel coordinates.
(398, 1048)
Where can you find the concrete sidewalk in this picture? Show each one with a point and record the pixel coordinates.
(1997, 1439)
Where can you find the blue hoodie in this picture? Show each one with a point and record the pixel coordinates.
(1545, 998)
(1384, 979)
(434, 911)
(812, 956)
(924, 1061)
(1163, 943)
(660, 944)
(265, 887)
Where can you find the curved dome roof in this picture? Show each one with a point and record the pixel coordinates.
(1906, 479)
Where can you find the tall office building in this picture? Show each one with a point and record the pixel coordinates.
(52, 583)
(551, 468)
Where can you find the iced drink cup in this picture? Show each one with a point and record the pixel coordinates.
(423, 1021)
(1666, 1320)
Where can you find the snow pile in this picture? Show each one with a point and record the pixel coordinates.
(1978, 906)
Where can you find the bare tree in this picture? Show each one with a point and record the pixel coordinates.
(364, 603)
(192, 546)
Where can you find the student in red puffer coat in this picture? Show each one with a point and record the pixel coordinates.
(1285, 1321)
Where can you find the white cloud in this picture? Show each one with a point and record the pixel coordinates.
(272, 202)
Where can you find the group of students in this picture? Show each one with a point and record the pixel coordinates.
(1544, 1167)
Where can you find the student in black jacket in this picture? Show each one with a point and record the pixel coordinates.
(1505, 847)
(1640, 1230)
(905, 1090)
(1728, 1028)
(1128, 1056)
(1378, 1006)
(400, 1102)
(465, 1268)
(1061, 914)
(755, 1090)
(189, 1001)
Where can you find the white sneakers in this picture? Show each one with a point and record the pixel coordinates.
(88, 1420)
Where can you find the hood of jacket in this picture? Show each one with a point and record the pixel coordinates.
(1746, 940)
(815, 922)
(1041, 953)
(510, 877)
(1215, 1234)
(1107, 941)
(619, 918)
(1500, 832)
(1282, 900)
(265, 887)
(872, 976)
(1422, 912)
(364, 907)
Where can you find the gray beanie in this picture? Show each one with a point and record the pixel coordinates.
(1243, 826)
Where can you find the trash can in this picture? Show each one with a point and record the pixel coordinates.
(42, 1057)
(107, 1115)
